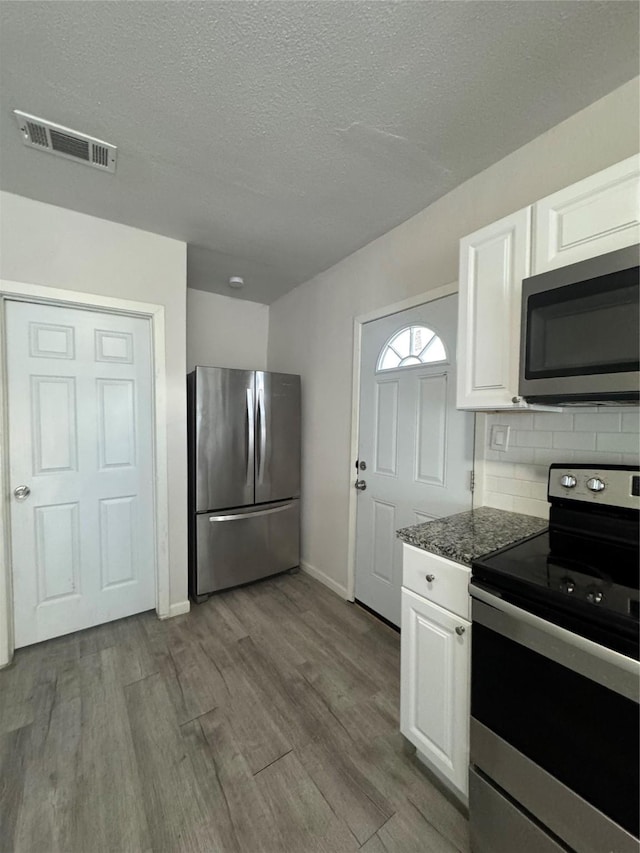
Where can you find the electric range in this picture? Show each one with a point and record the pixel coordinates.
(555, 674)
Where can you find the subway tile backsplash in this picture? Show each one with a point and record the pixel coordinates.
(516, 479)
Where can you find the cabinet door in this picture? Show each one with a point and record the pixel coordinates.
(597, 215)
(434, 697)
(493, 262)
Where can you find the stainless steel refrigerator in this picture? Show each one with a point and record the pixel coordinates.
(244, 476)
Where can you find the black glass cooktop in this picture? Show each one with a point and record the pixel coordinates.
(591, 588)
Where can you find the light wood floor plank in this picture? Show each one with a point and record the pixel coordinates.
(48, 820)
(303, 816)
(347, 790)
(264, 721)
(253, 823)
(260, 739)
(373, 845)
(109, 800)
(169, 787)
(212, 799)
(13, 764)
(408, 832)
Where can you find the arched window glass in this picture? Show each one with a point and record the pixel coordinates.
(410, 346)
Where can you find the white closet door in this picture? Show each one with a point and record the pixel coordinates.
(81, 442)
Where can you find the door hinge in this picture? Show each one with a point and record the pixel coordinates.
(472, 481)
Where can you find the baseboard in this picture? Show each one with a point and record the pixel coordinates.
(178, 609)
(334, 586)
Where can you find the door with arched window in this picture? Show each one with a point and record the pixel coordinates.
(416, 446)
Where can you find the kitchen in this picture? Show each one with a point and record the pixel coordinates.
(309, 331)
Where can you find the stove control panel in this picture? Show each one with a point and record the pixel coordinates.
(616, 486)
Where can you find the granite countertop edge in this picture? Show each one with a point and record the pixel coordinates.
(465, 536)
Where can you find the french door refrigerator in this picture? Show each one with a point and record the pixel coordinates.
(244, 476)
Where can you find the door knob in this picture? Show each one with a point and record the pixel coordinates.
(21, 493)
(361, 485)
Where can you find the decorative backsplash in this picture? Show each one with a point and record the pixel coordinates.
(516, 479)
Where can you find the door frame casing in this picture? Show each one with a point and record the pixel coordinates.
(358, 323)
(155, 314)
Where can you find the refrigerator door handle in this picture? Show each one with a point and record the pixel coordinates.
(239, 516)
(250, 436)
(262, 447)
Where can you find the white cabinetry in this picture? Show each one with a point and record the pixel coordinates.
(435, 666)
(493, 262)
(597, 215)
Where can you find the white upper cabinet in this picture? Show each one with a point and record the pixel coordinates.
(597, 215)
(493, 262)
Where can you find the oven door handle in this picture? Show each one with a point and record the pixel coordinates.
(607, 667)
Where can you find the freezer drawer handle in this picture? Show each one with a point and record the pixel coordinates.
(249, 514)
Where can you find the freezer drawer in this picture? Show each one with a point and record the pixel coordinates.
(241, 545)
(498, 826)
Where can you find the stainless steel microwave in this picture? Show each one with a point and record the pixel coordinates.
(580, 341)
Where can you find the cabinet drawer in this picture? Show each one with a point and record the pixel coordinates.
(450, 585)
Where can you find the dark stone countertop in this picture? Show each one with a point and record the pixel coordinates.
(468, 535)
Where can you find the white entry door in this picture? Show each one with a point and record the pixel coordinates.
(416, 446)
(81, 468)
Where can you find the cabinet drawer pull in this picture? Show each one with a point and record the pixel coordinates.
(460, 629)
(430, 578)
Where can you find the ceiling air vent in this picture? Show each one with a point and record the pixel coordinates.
(64, 142)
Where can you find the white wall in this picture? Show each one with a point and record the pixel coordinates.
(516, 479)
(46, 245)
(311, 328)
(226, 332)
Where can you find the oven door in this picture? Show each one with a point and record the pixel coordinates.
(554, 727)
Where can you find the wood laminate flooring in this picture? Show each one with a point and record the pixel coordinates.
(264, 721)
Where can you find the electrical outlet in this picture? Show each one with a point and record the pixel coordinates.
(499, 439)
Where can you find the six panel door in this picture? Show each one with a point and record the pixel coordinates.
(80, 440)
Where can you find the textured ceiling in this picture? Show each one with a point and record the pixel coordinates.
(276, 138)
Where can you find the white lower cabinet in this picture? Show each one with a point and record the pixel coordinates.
(435, 682)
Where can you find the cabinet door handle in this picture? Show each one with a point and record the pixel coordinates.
(430, 578)
(460, 629)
